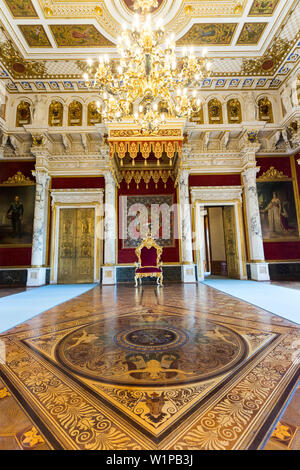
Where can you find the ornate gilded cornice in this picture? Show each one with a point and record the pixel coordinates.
(123, 133)
(270, 61)
(272, 174)
(18, 180)
(17, 66)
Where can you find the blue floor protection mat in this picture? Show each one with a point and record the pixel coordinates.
(17, 308)
(279, 300)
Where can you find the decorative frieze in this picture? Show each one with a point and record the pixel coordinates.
(216, 193)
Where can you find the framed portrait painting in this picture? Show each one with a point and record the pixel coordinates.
(17, 199)
(277, 208)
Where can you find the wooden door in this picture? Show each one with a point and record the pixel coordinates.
(230, 233)
(76, 246)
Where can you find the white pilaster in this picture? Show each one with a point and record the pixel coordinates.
(110, 224)
(188, 267)
(259, 268)
(37, 273)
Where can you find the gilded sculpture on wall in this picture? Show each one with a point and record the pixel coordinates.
(75, 114)
(265, 110)
(56, 112)
(94, 115)
(197, 117)
(215, 112)
(234, 111)
(23, 114)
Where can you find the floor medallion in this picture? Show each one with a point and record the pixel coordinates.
(178, 368)
(151, 352)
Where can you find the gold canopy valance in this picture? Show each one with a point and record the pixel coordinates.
(169, 148)
(136, 156)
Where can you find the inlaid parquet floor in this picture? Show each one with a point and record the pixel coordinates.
(173, 368)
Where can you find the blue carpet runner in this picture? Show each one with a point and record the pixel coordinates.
(17, 308)
(279, 300)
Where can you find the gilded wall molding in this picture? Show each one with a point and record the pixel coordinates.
(272, 174)
(18, 180)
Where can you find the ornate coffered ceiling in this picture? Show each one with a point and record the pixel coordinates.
(251, 43)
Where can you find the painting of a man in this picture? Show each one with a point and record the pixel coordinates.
(15, 213)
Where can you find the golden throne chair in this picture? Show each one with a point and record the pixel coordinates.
(149, 265)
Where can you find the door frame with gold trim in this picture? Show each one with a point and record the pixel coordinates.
(76, 199)
(203, 197)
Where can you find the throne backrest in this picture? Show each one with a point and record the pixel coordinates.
(148, 252)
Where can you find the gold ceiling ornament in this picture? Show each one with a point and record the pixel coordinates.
(16, 65)
(147, 72)
(48, 8)
(18, 180)
(238, 8)
(270, 61)
(98, 10)
(272, 174)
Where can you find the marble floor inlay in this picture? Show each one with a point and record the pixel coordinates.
(174, 368)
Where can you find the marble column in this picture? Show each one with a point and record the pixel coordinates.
(110, 225)
(37, 272)
(259, 268)
(188, 267)
(200, 213)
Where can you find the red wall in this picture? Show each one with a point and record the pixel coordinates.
(15, 256)
(215, 180)
(289, 250)
(77, 183)
(169, 254)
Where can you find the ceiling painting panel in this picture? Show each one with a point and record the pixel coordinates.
(79, 35)
(21, 8)
(249, 50)
(209, 33)
(35, 35)
(263, 7)
(251, 33)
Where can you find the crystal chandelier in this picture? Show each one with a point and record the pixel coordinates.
(147, 73)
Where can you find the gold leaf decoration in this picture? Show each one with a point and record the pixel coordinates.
(272, 174)
(31, 438)
(269, 62)
(17, 65)
(4, 392)
(18, 179)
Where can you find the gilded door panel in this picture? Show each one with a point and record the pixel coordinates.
(66, 246)
(76, 246)
(230, 233)
(85, 245)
